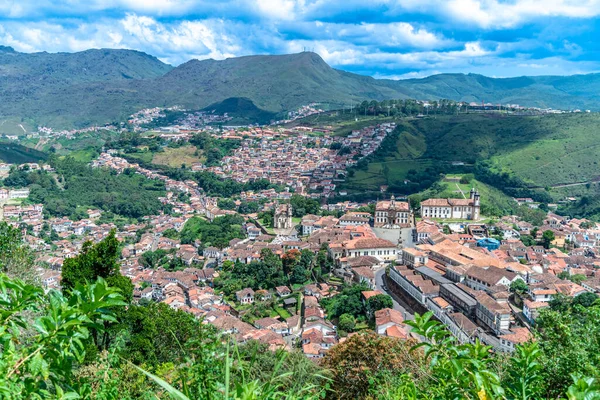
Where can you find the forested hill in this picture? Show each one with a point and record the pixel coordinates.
(101, 86)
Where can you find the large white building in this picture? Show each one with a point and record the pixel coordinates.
(452, 208)
(392, 214)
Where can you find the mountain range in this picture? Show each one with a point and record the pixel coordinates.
(106, 85)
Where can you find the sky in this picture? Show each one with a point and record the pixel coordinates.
(382, 38)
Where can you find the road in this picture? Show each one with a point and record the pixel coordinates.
(399, 305)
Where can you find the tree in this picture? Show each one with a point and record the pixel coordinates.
(153, 259)
(547, 238)
(356, 364)
(586, 299)
(577, 278)
(158, 334)
(39, 356)
(378, 302)
(568, 340)
(346, 323)
(95, 261)
(519, 287)
(16, 258)
(560, 303)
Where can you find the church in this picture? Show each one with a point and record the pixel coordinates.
(283, 217)
(453, 208)
(392, 214)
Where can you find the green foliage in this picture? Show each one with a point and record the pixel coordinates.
(249, 207)
(366, 362)
(577, 278)
(298, 265)
(346, 322)
(19, 178)
(348, 301)
(44, 336)
(242, 110)
(14, 153)
(302, 205)
(158, 334)
(96, 261)
(217, 233)
(226, 204)
(16, 258)
(214, 185)
(461, 371)
(378, 302)
(267, 218)
(533, 216)
(547, 238)
(214, 149)
(569, 340)
(153, 259)
(129, 195)
(519, 287)
(586, 299)
(264, 274)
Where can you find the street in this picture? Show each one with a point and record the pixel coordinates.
(399, 305)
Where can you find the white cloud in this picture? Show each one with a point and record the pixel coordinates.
(402, 33)
(174, 43)
(279, 9)
(499, 14)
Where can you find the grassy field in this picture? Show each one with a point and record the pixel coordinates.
(175, 157)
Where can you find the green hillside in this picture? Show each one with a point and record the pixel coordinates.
(102, 86)
(242, 110)
(13, 153)
(534, 151)
(56, 89)
(561, 92)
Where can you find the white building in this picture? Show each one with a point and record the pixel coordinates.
(392, 214)
(452, 208)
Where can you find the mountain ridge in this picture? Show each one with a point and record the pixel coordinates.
(99, 86)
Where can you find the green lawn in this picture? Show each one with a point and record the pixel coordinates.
(282, 312)
(269, 230)
(85, 155)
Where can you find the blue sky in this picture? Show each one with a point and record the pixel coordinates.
(382, 38)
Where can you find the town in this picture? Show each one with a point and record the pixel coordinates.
(478, 278)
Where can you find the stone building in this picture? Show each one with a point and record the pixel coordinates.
(283, 217)
(392, 214)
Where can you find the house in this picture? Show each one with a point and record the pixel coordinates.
(385, 321)
(272, 324)
(354, 219)
(531, 309)
(413, 257)
(516, 336)
(283, 291)
(290, 302)
(212, 252)
(262, 295)
(245, 296)
(364, 275)
(485, 278)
